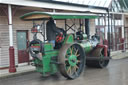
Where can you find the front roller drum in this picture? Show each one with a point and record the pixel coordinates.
(101, 61)
(72, 60)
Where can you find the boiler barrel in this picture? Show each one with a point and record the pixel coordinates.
(87, 46)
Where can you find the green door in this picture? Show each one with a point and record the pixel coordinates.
(22, 44)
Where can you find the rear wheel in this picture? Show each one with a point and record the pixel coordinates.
(72, 59)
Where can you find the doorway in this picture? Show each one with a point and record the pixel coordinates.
(22, 44)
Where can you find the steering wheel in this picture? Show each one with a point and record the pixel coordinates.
(34, 50)
(60, 38)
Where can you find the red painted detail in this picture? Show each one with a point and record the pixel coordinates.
(101, 40)
(23, 56)
(106, 42)
(59, 38)
(34, 29)
(35, 46)
(105, 49)
(12, 67)
(122, 45)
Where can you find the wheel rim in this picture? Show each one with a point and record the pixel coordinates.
(103, 63)
(73, 61)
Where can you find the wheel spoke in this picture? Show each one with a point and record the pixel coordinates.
(77, 67)
(74, 68)
(66, 59)
(78, 61)
(71, 50)
(76, 52)
(78, 55)
(67, 55)
(69, 69)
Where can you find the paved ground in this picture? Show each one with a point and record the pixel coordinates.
(115, 74)
(19, 70)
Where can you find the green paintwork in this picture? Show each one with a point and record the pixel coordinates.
(69, 39)
(87, 46)
(39, 65)
(49, 64)
(48, 47)
(59, 15)
(72, 60)
(73, 17)
(49, 53)
(46, 66)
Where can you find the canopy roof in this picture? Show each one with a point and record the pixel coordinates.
(98, 3)
(45, 15)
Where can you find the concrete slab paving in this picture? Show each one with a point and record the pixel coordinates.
(115, 74)
(25, 68)
(20, 70)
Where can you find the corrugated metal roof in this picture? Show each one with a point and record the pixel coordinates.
(36, 3)
(98, 3)
(123, 4)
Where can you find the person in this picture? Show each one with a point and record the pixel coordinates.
(51, 31)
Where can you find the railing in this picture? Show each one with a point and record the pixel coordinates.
(120, 46)
(126, 45)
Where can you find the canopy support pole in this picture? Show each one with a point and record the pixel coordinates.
(11, 48)
(109, 35)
